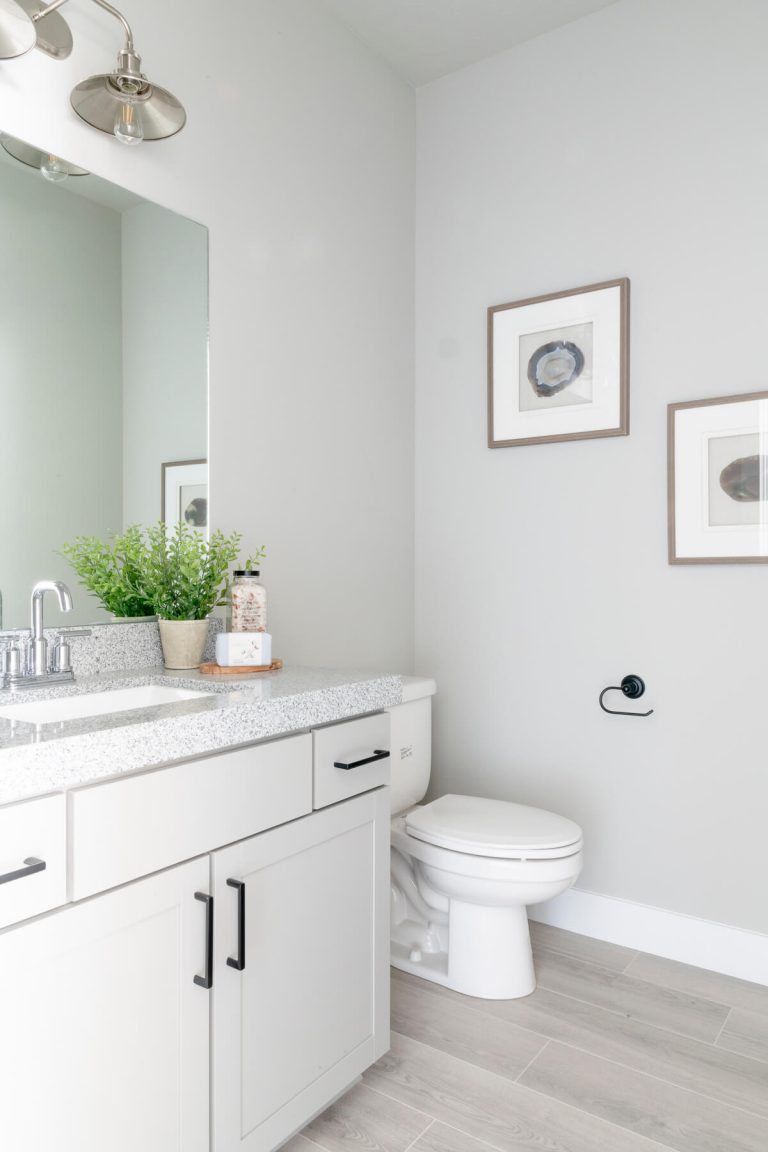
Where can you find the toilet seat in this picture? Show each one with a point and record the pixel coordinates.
(497, 829)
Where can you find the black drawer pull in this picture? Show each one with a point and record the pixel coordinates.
(377, 755)
(206, 981)
(31, 865)
(238, 961)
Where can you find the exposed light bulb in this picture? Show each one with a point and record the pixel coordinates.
(129, 125)
(53, 169)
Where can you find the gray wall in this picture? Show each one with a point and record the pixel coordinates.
(631, 143)
(60, 385)
(165, 351)
(298, 156)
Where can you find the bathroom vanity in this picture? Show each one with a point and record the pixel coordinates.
(202, 962)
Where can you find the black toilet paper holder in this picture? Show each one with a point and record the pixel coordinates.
(632, 687)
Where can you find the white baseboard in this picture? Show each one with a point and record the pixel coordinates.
(702, 943)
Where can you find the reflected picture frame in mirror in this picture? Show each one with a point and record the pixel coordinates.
(184, 494)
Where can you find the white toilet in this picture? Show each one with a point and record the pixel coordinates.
(464, 869)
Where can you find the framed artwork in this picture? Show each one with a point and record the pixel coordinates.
(558, 366)
(718, 480)
(184, 493)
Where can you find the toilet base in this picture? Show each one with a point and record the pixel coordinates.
(489, 951)
(488, 954)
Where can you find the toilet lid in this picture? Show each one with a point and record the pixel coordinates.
(497, 828)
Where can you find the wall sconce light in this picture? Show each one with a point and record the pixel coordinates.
(17, 33)
(123, 102)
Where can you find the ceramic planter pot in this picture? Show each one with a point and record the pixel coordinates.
(183, 642)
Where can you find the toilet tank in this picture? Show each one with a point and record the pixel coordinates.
(411, 742)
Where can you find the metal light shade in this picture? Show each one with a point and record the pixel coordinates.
(98, 100)
(34, 157)
(52, 31)
(17, 32)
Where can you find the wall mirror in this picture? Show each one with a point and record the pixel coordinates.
(103, 370)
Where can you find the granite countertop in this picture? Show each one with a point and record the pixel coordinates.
(39, 758)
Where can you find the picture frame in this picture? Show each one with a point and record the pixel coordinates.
(717, 454)
(184, 493)
(558, 366)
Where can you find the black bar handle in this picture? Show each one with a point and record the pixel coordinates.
(31, 865)
(377, 755)
(206, 981)
(238, 961)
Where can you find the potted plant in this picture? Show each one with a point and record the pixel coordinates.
(114, 573)
(185, 578)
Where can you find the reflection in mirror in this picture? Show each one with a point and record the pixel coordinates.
(103, 379)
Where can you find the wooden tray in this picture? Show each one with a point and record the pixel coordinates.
(214, 669)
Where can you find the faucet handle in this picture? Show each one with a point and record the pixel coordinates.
(62, 656)
(13, 659)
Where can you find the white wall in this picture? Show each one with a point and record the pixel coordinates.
(165, 351)
(60, 385)
(298, 156)
(631, 143)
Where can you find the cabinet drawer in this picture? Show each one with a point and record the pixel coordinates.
(31, 834)
(353, 743)
(128, 828)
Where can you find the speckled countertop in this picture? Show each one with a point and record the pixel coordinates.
(42, 758)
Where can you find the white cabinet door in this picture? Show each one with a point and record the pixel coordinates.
(104, 1036)
(309, 1011)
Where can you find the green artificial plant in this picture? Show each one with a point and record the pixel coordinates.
(114, 573)
(187, 576)
(252, 562)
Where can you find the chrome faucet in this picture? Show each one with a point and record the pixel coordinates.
(39, 643)
(25, 664)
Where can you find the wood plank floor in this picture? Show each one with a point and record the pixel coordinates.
(615, 1051)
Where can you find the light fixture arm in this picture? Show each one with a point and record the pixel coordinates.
(47, 10)
(55, 4)
(118, 16)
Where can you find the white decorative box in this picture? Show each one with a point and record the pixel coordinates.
(243, 649)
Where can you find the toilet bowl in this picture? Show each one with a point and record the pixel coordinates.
(465, 868)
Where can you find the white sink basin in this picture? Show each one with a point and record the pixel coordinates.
(96, 703)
